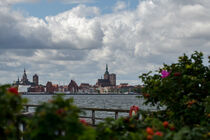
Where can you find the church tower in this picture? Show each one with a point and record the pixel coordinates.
(112, 79)
(24, 79)
(36, 79)
(106, 74)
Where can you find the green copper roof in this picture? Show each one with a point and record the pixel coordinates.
(106, 72)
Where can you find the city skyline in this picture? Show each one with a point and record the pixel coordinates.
(104, 85)
(26, 80)
(62, 40)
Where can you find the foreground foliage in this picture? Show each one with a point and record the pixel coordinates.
(181, 88)
(58, 120)
(10, 105)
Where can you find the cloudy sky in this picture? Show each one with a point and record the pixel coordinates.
(62, 40)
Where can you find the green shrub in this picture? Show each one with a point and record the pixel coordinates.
(10, 106)
(58, 120)
(183, 88)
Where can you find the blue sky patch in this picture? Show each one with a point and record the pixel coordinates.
(45, 8)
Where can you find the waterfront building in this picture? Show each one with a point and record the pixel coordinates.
(36, 80)
(84, 88)
(24, 84)
(87, 88)
(109, 79)
(38, 89)
(24, 80)
(107, 90)
(112, 79)
(125, 88)
(63, 88)
(49, 87)
(55, 87)
(73, 87)
(23, 88)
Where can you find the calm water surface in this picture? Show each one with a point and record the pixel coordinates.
(97, 101)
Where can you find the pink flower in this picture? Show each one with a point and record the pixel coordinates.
(165, 74)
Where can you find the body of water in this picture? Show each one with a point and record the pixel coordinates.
(97, 101)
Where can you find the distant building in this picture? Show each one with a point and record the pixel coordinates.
(36, 80)
(49, 87)
(112, 79)
(38, 88)
(63, 88)
(125, 88)
(24, 80)
(55, 87)
(85, 88)
(23, 88)
(73, 87)
(24, 85)
(123, 85)
(107, 90)
(103, 83)
(109, 79)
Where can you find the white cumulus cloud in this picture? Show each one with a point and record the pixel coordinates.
(120, 5)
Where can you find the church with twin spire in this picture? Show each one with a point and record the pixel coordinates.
(108, 80)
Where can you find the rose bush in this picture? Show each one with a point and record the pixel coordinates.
(11, 105)
(58, 120)
(183, 88)
(149, 128)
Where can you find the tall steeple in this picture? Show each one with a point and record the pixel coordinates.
(106, 74)
(24, 79)
(17, 82)
(24, 74)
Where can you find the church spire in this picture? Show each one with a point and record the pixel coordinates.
(106, 72)
(24, 79)
(106, 67)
